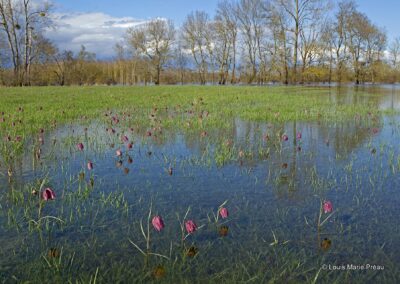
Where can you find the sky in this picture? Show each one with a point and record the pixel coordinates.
(99, 24)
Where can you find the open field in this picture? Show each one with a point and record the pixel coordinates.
(42, 106)
(309, 176)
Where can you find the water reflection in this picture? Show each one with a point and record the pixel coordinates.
(273, 188)
(384, 97)
(320, 143)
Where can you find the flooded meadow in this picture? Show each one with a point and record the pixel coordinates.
(211, 187)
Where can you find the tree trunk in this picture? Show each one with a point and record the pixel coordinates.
(296, 43)
(157, 81)
(233, 78)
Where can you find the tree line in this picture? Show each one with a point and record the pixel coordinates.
(246, 41)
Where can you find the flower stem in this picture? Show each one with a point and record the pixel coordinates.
(319, 226)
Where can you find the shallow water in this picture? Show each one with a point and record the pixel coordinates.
(273, 190)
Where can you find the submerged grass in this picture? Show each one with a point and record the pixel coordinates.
(274, 186)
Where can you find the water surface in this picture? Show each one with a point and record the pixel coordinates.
(273, 190)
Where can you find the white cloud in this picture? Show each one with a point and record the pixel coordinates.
(99, 32)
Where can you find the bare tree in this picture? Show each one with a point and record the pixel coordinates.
(120, 60)
(222, 50)
(376, 45)
(196, 38)
(81, 68)
(327, 46)
(181, 60)
(394, 52)
(302, 13)
(251, 15)
(356, 41)
(64, 62)
(154, 41)
(361, 34)
(309, 46)
(278, 24)
(22, 22)
(249, 40)
(225, 31)
(339, 33)
(227, 18)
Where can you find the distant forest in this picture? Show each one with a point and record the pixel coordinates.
(246, 42)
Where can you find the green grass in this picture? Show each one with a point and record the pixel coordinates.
(45, 105)
(90, 225)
